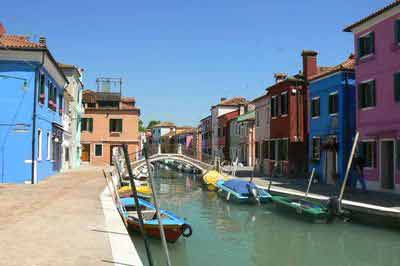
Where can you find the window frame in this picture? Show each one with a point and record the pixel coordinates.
(48, 157)
(317, 98)
(116, 125)
(313, 152)
(284, 95)
(374, 154)
(89, 128)
(396, 86)
(365, 36)
(365, 83)
(95, 150)
(336, 95)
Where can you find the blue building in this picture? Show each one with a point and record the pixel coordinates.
(332, 119)
(32, 87)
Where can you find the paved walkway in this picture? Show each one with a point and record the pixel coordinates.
(57, 222)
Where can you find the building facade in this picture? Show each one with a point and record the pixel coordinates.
(223, 107)
(31, 130)
(234, 140)
(160, 130)
(247, 150)
(110, 120)
(206, 137)
(332, 121)
(72, 115)
(377, 46)
(262, 132)
(223, 133)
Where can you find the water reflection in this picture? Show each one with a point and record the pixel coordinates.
(231, 234)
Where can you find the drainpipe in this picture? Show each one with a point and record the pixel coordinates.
(35, 93)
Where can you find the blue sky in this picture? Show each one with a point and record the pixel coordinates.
(180, 57)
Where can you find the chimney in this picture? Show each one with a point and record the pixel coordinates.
(279, 77)
(2, 29)
(42, 40)
(223, 99)
(310, 66)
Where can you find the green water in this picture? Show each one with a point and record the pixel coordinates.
(231, 234)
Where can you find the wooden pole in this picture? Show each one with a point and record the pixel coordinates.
(309, 183)
(346, 176)
(138, 209)
(153, 191)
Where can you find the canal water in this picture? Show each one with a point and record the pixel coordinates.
(231, 234)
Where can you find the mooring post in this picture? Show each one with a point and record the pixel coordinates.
(179, 149)
(158, 148)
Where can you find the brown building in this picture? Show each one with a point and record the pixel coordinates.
(109, 121)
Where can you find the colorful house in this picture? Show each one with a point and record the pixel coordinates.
(31, 131)
(223, 107)
(234, 140)
(247, 137)
(262, 132)
(206, 135)
(377, 46)
(331, 120)
(223, 133)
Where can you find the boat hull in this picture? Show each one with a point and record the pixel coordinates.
(172, 232)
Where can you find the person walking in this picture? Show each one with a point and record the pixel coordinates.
(358, 165)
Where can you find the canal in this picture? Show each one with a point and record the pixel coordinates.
(246, 235)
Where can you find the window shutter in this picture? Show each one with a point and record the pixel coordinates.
(360, 96)
(397, 31)
(90, 122)
(373, 93)
(360, 47)
(372, 42)
(397, 87)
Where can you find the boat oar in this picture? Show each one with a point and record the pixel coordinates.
(309, 183)
(138, 209)
(346, 176)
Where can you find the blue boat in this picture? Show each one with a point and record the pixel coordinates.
(242, 191)
(174, 226)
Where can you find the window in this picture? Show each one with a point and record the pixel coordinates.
(397, 87)
(42, 85)
(265, 149)
(274, 107)
(257, 150)
(366, 45)
(60, 104)
(316, 148)
(367, 94)
(52, 99)
(48, 157)
(283, 149)
(368, 152)
(272, 150)
(333, 103)
(116, 125)
(87, 124)
(257, 118)
(397, 31)
(39, 151)
(67, 154)
(284, 103)
(315, 107)
(98, 150)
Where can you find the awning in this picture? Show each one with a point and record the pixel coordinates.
(247, 117)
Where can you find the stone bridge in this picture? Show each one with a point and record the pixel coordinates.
(202, 166)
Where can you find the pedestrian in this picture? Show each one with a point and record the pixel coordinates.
(358, 167)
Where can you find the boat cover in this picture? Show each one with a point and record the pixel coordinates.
(240, 186)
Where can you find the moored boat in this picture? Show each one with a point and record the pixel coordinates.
(211, 178)
(242, 191)
(310, 211)
(142, 187)
(174, 226)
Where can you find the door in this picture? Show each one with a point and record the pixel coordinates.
(85, 153)
(331, 166)
(113, 150)
(387, 164)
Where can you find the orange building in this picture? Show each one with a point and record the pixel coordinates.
(109, 121)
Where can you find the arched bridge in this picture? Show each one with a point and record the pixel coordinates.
(202, 166)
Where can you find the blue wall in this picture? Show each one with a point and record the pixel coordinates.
(322, 126)
(17, 107)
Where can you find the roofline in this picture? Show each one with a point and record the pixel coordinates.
(42, 49)
(260, 97)
(373, 15)
(288, 80)
(207, 117)
(328, 73)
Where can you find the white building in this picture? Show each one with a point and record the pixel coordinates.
(160, 130)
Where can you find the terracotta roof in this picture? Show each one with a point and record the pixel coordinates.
(348, 64)
(164, 124)
(375, 14)
(20, 42)
(234, 101)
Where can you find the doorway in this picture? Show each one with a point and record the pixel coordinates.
(113, 150)
(85, 153)
(387, 164)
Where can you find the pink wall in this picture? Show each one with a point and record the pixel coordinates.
(382, 121)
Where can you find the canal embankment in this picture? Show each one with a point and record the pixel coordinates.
(67, 219)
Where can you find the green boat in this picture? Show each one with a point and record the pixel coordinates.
(306, 209)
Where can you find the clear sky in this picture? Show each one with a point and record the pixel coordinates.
(179, 57)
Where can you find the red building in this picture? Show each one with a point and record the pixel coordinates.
(223, 132)
(287, 146)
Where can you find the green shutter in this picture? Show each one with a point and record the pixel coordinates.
(373, 93)
(397, 87)
(120, 125)
(372, 41)
(360, 47)
(90, 124)
(360, 96)
(397, 31)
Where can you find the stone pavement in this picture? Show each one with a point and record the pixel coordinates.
(56, 222)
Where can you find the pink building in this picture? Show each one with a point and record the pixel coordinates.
(377, 46)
